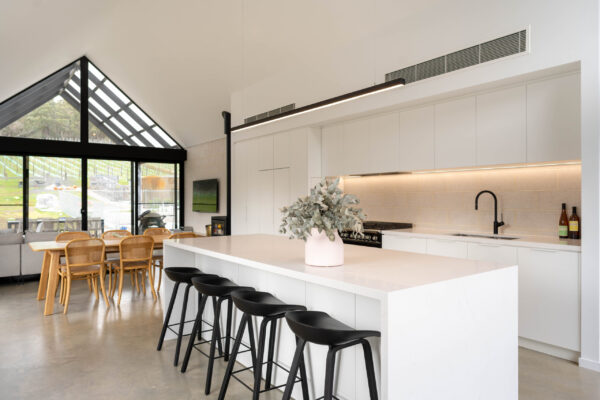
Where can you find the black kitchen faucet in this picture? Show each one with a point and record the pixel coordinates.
(496, 223)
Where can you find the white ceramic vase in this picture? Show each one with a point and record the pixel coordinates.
(319, 251)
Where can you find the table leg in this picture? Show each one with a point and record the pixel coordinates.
(44, 276)
(52, 282)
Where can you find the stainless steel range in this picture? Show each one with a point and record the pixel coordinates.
(372, 236)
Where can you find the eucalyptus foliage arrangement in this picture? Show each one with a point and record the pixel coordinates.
(327, 209)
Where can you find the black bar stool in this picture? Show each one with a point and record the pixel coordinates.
(179, 275)
(320, 328)
(220, 290)
(261, 304)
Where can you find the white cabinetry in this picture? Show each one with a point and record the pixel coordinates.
(268, 173)
(448, 248)
(455, 129)
(532, 121)
(355, 147)
(549, 300)
(331, 150)
(383, 143)
(501, 127)
(282, 195)
(410, 244)
(493, 253)
(416, 139)
(554, 119)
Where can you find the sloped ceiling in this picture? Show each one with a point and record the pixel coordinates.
(180, 60)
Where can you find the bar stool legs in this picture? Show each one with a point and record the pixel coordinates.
(330, 368)
(168, 316)
(182, 323)
(258, 358)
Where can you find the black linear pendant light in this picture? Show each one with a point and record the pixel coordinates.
(382, 87)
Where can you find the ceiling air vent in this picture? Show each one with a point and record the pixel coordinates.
(494, 49)
(271, 113)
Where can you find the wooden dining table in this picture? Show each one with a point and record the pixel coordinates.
(53, 251)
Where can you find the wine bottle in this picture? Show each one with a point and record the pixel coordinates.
(574, 228)
(563, 223)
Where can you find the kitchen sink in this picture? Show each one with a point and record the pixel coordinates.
(485, 236)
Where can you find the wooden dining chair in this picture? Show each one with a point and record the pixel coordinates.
(113, 257)
(67, 237)
(135, 255)
(84, 260)
(157, 259)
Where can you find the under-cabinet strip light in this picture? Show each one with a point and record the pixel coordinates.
(382, 87)
(470, 169)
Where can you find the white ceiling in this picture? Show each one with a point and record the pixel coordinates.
(180, 60)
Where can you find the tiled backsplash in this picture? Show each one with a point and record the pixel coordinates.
(530, 198)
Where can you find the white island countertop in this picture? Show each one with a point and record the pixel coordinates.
(367, 271)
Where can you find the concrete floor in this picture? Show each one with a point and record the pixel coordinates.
(94, 353)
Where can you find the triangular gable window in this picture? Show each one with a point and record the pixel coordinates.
(50, 109)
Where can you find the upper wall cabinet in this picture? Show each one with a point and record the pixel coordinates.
(363, 146)
(554, 119)
(528, 122)
(355, 147)
(455, 131)
(502, 127)
(383, 143)
(416, 139)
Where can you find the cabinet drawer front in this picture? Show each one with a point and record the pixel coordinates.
(549, 297)
(493, 253)
(413, 245)
(447, 248)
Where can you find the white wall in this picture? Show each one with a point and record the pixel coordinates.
(205, 161)
(389, 35)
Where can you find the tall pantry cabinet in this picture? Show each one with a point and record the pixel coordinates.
(268, 173)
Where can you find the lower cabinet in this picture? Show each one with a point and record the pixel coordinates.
(493, 253)
(447, 248)
(549, 297)
(410, 244)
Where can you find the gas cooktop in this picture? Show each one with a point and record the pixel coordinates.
(372, 233)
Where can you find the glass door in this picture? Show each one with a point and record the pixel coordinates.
(54, 194)
(109, 198)
(157, 205)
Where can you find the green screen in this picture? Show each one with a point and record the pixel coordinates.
(206, 196)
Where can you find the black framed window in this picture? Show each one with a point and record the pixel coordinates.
(47, 110)
(84, 170)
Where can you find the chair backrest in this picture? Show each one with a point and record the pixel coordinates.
(181, 235)
(116, 234)
(156, 231)
(68, 236)
(83, 252)
(136, 248)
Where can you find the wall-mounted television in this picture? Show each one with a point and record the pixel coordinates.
(206, 196)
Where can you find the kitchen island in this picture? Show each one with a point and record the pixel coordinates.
(448, 326)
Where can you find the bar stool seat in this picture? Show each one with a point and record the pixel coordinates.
(320, 328)
(180, 275)
(220, 289)
(261, 304)
(216, 286)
